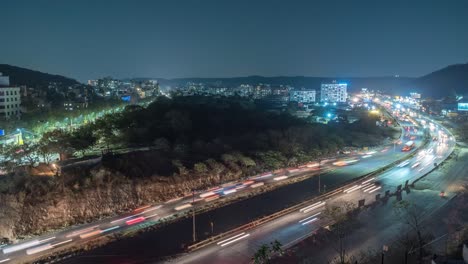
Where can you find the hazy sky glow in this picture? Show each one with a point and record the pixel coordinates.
(215, 38)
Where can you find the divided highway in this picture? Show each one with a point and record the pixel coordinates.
(339, 171)
(298, 225)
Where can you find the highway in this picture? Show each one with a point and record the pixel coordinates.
(293, 227)
(339, 171)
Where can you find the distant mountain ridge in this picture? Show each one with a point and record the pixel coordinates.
(22, 76)
(449, 81)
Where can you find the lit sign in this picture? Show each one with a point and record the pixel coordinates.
(462, 106)
(126, 98)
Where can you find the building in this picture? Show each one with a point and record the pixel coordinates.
(10, 99)
(333, 92)
(415, 95)
(81, 103)
(302, 96)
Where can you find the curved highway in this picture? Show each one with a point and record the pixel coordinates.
(339, 170)
(292, 228)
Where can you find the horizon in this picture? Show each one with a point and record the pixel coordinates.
(234, 77)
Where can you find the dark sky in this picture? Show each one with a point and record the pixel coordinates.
(203, 38)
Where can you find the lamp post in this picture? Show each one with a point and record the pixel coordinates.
(194, 236)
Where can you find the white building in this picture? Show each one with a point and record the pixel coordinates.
(334, 92)
(10, 99)
(302, 96)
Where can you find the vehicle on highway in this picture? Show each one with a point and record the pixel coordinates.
(408, 146)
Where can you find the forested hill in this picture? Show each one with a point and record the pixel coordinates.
(22, 76)
(449, 81)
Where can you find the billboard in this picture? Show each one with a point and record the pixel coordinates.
(462, 106)
(126, 98)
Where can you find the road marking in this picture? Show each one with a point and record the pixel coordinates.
(4, 260)
(307, 218)
(378, 188)
(238, 235)
(232, 241)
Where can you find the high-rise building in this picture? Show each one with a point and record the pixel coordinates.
(302, 96)
(10, 99)
(334, 92)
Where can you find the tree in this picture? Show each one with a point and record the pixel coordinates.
(45, 151)
(29, 153)
(411, 214)
(339, 215)
(58, 141)
(200, 168)
(262, 255)
(82, 139)
(266, 251)
(162, 144)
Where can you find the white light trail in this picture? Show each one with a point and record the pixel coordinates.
(310, 221)
(373, 190)
(309, 217)
(371, 179)
(351, 188)
(63, 242)
(233, 237)
(237, 239)
(314, 207)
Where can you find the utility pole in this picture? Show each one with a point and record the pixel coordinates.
(193, 216)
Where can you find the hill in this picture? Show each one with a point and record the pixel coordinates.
(449, 81)
(22, 76)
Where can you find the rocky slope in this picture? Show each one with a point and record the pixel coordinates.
(33, 211)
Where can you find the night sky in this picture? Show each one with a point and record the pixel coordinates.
(91, 39)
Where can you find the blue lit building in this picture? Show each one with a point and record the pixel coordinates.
(333, 92)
